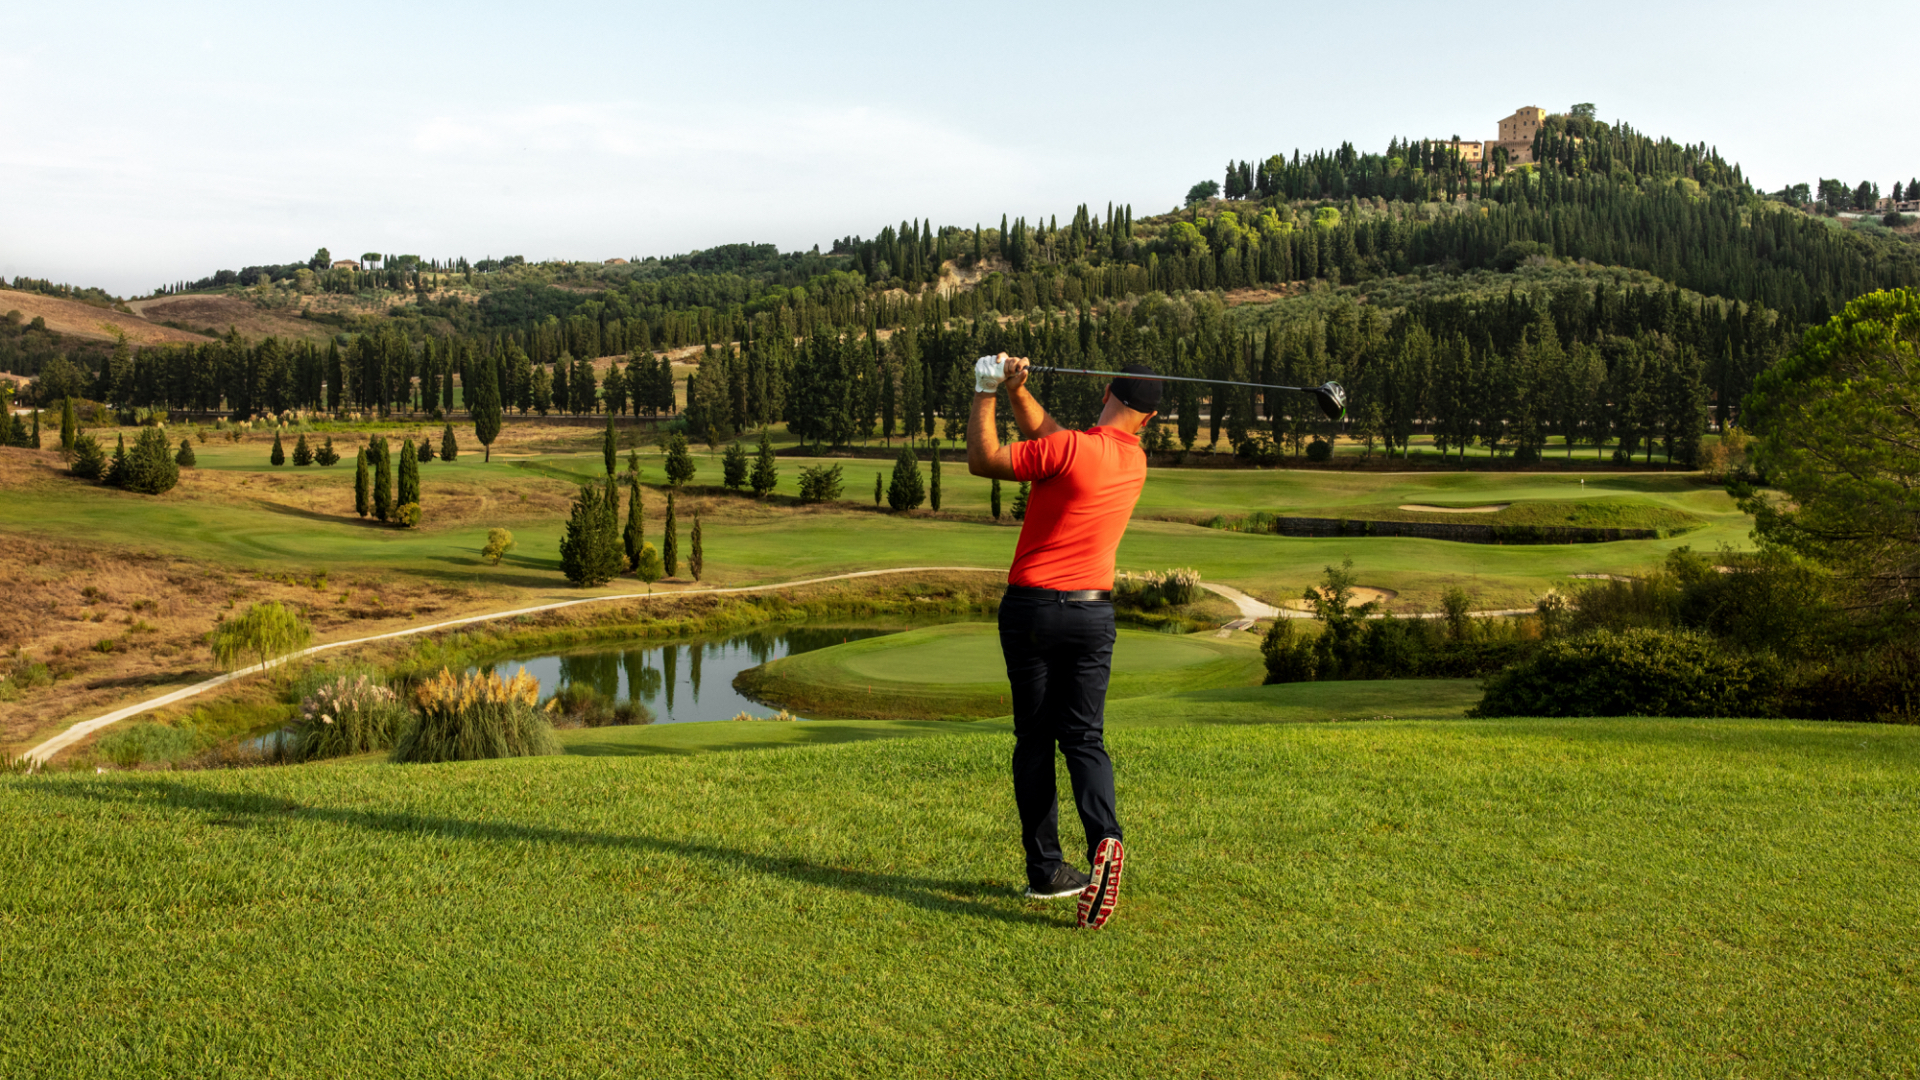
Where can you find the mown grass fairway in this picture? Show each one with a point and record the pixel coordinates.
(1695, 898)
(959, 670)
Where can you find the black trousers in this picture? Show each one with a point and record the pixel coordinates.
(1059, 655)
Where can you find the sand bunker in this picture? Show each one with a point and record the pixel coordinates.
(1361, 594)
(1425, 509)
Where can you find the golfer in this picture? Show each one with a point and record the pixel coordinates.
(1056, 620)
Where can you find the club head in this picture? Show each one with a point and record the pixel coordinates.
(1332, 399)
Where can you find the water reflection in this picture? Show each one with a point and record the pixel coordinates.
(680, 680)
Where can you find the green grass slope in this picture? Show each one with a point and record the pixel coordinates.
(958, 671)
(1521, 898)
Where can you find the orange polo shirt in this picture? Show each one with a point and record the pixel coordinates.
(1084, 486)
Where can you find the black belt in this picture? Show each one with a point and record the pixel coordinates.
(1061, 596)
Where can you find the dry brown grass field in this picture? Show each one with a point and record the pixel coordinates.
(87, 321)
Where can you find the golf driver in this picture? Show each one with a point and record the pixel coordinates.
(1332, 399)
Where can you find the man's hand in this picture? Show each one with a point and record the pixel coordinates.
(1015, 370)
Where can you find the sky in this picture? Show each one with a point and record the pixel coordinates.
(142, 144)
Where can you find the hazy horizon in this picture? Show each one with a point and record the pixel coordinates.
(147, 146)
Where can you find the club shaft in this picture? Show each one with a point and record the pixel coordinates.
(1169, 378)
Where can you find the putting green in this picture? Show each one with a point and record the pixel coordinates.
(958, 672)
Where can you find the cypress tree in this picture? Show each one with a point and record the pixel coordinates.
(635, 535)
(696, 560)
(185, 458)
(734, 467)
(449, 448)
(409, 475)
(933, 487)
(362, 485)
(907, 490)
(876, 489)
(117, 468)
(279, 456)
(993, 498)
(382, 461)
(765, 475)
(36, 429)
(485, 406)
(670, 540)
(1020, 502)
(606, 443)
(590, 548)
(69, 427)
(302, 453)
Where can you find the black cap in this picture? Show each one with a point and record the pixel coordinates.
(1140, 395)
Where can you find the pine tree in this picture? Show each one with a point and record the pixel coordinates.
(185, 458)
(635, 536)
(382, 461)
(670, 540)
(734, 467)
(993, 498)
(327, 456)
(907, 490)
(302, 453)
(449, 448)
(150, 466)
(409, 475)
(362, 485)
(590, 551)
(765, 475)
(606, 444)
(933, 485)
(279, 456)
(425, 452)
(696, 559)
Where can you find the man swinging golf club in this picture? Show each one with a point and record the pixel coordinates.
(1056, 620)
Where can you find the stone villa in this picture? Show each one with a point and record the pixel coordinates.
(1516, 138)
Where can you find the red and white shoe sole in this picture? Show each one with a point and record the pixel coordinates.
(1102, 894)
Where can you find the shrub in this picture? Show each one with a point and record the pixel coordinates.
(907, 491)
(279, 455)
(1319, 450)
(1289, 654)
(407, 515)
(148, 743)
(733, 467)
(499, 542)
(185, 458)
(1638, 672)
(475, 716)
(820, 483)
(348, 715)
(1156, 589)
(580, 705)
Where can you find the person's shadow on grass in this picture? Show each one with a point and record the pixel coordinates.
(945, 895)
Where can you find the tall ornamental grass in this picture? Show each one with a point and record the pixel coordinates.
(348, 715)
(474, 716)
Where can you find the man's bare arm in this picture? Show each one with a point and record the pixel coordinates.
(985, 455)
(1028, 414)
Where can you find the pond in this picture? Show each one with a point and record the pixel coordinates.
(679, 680)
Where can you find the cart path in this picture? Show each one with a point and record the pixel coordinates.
(44, 752)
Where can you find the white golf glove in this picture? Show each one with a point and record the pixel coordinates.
(988, 373)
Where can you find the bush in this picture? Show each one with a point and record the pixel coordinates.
(185, 458)
(148, 743)
(348, 715)
(470, 717)
(1157, 589)
(1289, 654)
(407, 515)
(819, 483)
(1632, 673)
(1319, 450)
(580, 705)
(150, 468)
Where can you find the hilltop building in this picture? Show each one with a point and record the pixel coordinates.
(1516, 134)
(346, 264)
